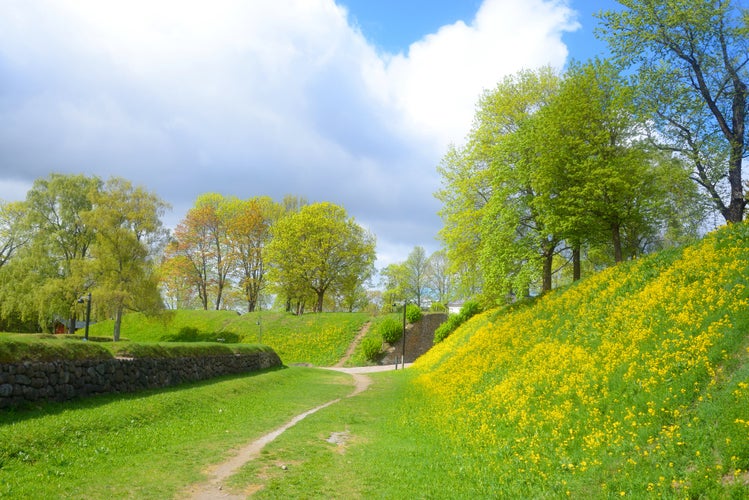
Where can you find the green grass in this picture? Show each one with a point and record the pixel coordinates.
(633, 383)
(358, 358)
(153, 444)
(386, 452)
(22, 347)
(317, 339)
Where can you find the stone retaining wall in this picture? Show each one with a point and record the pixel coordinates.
(67, 379)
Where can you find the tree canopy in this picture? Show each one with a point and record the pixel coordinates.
(554, 166)
(319, 247)
(690, 62)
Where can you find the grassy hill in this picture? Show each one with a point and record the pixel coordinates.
(634, 381)
(631, 383)
(319, 339)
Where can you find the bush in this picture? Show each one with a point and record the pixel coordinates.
(468, 310)
(391, 330)
(191, 334)
(413, 313)
(371, 347)
(436, 307)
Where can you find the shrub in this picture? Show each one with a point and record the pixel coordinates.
(468, 310)
(371, 347)
(436, 307)
(413, 313)
(391, 330)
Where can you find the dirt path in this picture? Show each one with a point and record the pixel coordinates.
(352, 346)
(212, 489)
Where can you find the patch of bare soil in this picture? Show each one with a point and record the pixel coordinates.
(352, 346)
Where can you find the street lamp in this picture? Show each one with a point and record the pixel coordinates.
(403, 349)
(87, 299)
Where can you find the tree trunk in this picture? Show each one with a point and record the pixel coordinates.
(735, 210)
(117, 323)
(548, 264)
(71, 324)
(320, 296)
(218, 296)
(576, 270)
(203, 294)
(616, 239)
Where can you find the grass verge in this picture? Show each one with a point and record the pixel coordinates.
(151, 444)
(369, 446)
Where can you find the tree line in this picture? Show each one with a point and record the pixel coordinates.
(610, 159)
(76, 235)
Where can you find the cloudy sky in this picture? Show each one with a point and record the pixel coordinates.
(348, 101)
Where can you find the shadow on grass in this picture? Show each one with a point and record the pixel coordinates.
(45, 408)
(190, 334)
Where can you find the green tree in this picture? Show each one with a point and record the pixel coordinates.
(318, 247)
(691, 68)
(13, 234)
(393, 282)
(127, 226)
(596, 177)
(416, 269)
(517, 245)
(439, 278)
(465, 191)
(50, 274)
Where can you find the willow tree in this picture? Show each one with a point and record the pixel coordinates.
(126, 221)
(52, 271)
(13, 234)
(319, 247)
(690, 59)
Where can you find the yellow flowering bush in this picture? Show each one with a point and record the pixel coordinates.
(630, 382)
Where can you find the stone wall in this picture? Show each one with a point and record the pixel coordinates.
(419, 339)
(67, 379)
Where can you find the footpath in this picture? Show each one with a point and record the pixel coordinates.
(213, 488)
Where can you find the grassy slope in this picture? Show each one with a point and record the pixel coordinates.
(319, 339)
(634, 382)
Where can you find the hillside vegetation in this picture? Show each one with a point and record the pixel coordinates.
(632, 382)
(318, 339)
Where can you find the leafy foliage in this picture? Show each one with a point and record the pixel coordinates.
(413, 313)
(690, 60)
(371, 348)
(317, 249)
(391, 330)
(469, 309)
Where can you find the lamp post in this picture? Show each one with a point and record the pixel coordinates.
(87, 298)
(403, 349)
(260, 328)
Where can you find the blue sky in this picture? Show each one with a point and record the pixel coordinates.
(353, 102)
(393, 25)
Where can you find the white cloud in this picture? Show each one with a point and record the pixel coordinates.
(438, 82)
(254, 97)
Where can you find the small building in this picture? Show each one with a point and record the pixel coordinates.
(59, 326)
(455, 306)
